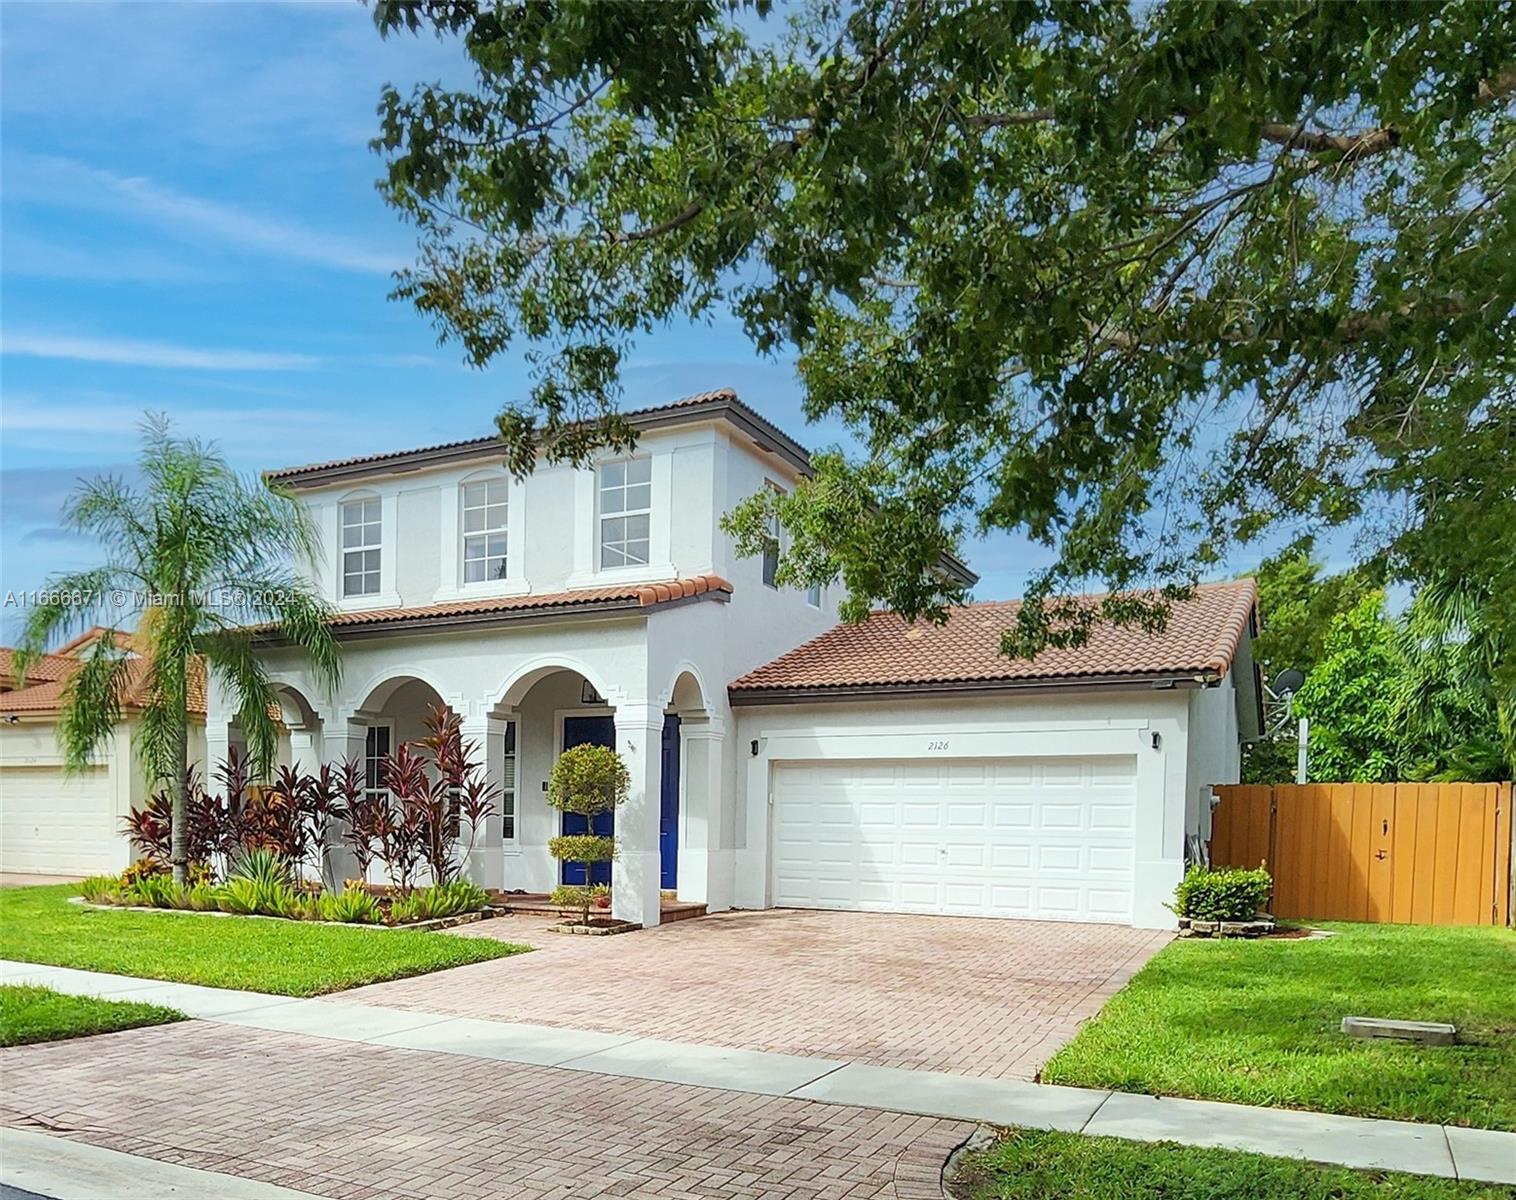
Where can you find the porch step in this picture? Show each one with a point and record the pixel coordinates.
(538, 904)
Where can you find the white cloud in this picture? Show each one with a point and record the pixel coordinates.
(129, 352)
(46, 258)
(63, 181)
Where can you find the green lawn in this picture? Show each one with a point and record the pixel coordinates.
(1025, 1165)
(1258, 1023)
(290, 958)
(39, 1014)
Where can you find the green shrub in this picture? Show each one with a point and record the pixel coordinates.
(351, 905)
(246, 896)
(154, 891)
(450, 899)
(201, 897)
(101, 889)
(404, 910)
(581, 899)
(1224, 894)
(582, 848)
(262, 866)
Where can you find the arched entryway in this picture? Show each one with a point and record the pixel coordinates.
(686, 707)
(544, 711)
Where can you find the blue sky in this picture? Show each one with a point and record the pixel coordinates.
(188, 222)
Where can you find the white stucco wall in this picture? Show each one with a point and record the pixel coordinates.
(1214, 751)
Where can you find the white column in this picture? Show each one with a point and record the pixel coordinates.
(486, 865)
(340, 741)
(701, 818)
(634, 874)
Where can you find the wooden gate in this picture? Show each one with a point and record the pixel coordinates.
(1406, 853)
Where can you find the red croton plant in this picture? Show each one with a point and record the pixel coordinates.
(433, 794)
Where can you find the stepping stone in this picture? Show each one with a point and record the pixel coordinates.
(1428, 1033)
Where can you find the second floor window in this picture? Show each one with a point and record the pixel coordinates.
(361, 525)
(626, 506)
(484, 530)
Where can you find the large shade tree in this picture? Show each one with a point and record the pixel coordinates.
(1141, 281)
(201, 558)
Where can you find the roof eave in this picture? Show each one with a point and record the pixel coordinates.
(464, 622)
(1158, 680)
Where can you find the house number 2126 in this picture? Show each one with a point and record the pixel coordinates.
(937, 745)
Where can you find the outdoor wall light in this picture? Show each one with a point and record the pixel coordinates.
(1157, 740)
(754, 746)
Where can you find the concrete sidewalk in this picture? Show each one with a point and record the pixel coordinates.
(1451, 1152)
(59, 1169)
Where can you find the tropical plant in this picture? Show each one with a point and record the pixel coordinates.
(1350, 699)
(587, 780)
(154, 891)
(1457, 692)
(101, 889)
(352, 905)
(208, 555)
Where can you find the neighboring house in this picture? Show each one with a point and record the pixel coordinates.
(874, 767)
(53, 822)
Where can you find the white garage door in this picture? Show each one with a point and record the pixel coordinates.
(57, 825)
(1050, 839)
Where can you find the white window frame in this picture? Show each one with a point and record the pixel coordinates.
(388, 725)
(601, 516)
(367, 547)
(488, 532)
(510, 762)
(813, 595)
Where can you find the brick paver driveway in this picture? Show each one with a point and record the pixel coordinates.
(362, 1122)
(971, 996)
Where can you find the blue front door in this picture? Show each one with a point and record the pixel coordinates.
(668, 809)
(594, 731)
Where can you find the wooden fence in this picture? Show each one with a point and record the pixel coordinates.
(1406, 853)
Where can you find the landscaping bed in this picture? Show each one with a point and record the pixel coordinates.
(29, 1013)
(1027, 1165)
(1259, 1022)
(284, 957)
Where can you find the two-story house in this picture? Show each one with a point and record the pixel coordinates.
(777, 758)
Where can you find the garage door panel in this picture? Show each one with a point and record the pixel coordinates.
(55, 824)
(1002, 837)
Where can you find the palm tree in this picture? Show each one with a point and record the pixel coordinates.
(204, 557)
(1459, 684)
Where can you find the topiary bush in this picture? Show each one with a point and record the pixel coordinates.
(1222, 894)
(587, 780)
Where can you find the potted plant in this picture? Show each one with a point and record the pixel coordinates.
(587, 780)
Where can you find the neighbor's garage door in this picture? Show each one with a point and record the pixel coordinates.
(1042, 838)
(57, 825)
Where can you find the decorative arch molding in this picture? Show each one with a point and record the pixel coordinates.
(671, 695)
(534, 670)
(295, 708)
(383, 684)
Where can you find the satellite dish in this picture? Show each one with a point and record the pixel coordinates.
(1288, 682)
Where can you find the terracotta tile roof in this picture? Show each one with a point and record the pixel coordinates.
(484, 443)
(47, 697)
(48, 667)
(623, 596)
(1202, 636)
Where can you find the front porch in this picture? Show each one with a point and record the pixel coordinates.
(538, 904)
(520, 708)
